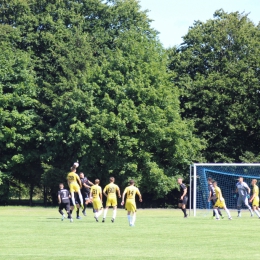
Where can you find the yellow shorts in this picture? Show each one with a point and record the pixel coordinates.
(97, 204)
(111, 202)
(220, 204)
(74, 187)
(130, 205)
(255, 202)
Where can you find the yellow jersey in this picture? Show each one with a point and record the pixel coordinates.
(95, 191)
(73, 177)
(131, 191)
(218, 193)
(256, 190)
(111, 190)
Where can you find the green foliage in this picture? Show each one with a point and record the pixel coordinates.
(103, 93)
(18, 119)
(217, 71)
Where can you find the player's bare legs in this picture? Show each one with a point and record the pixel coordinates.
(97, 213)
(73, 200)
(129, 217)
(114, 213)
(182, 206)
(81, 199)
(105, 213)
(133, 218)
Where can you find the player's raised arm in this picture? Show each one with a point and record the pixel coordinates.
(91, 183)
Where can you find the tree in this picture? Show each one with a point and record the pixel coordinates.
(104, 93)
(217, 71)
(18, 133)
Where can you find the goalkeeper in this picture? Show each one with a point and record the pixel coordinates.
(220, 202)
(243, 193)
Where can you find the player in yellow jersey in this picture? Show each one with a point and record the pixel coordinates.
(255, 197)
(220, 202)
(96, 197)
(130, 205)
(74, 185)
(110, 192)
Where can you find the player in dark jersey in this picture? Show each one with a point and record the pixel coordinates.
(77, 204)
(64, 201)
(212, 196)
(85, 191)
(183, 198)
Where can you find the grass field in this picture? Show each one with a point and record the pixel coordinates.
(38, 233)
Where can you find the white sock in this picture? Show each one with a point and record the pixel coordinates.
(216, 212)
(228, 213)
(257, 213)
(81, 199)
(134, 218)
(105, 213)
(114, 213)
(129, 218)
(99, 213)
(95, 215)
(73, 201)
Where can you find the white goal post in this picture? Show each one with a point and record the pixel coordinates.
(225, 174)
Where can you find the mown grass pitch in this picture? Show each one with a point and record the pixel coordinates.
(38, 233)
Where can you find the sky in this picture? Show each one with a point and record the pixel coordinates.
(172, 18)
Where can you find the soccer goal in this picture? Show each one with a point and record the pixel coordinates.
(226, 174)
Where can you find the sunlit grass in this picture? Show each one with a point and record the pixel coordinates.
(38, 233)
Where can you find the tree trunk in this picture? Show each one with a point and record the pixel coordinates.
(31, 194)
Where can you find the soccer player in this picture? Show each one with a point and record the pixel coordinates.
(77, 206)
(96, 196)
(255, 197)
(85, 191)
(243, 193)
(212, 196)
(110, 192)
(130, 204)
(64, 202)
(220, 202)
(75, 185)
(184, 198)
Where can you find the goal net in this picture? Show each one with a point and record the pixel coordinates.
(226, 175)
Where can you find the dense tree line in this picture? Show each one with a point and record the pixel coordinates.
(89, 80)
(217, 69)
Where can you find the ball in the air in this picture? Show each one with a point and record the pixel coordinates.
(76, 164)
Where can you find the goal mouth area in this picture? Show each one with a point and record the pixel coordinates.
(226, 176)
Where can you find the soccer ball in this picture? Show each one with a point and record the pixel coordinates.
(76, 164)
